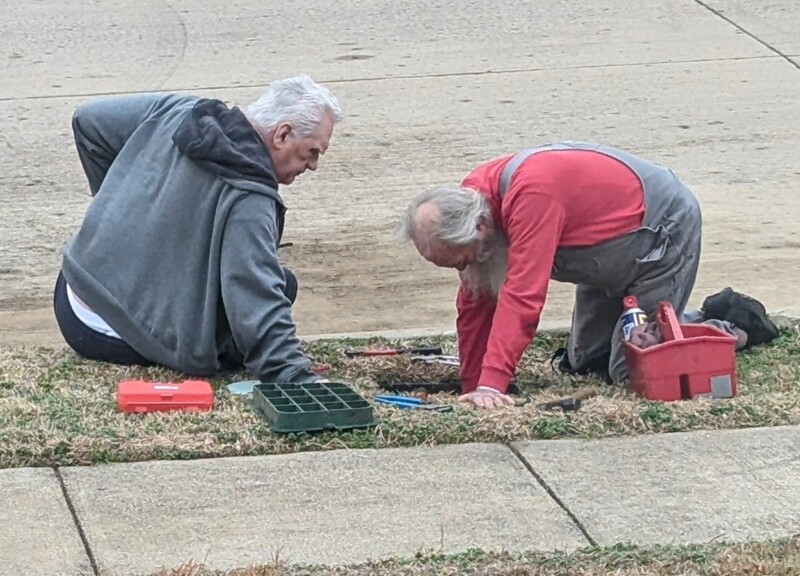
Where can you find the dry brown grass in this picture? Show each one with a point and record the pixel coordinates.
(58, 409)
(775, 558)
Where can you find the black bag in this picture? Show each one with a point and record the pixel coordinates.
(743, 312)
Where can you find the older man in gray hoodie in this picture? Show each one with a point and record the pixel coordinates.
(176, 262)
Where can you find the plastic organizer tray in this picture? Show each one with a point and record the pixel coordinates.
(311, 407)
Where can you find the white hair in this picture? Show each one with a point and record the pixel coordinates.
(488, 274)
(459, 211)
(299, 101)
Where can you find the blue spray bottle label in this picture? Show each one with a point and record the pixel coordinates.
(632, 316)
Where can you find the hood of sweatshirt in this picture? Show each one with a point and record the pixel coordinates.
(222, 140)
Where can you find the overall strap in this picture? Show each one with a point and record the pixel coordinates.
(513, 164)
(511, 167)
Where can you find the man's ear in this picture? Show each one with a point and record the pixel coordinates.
(482, 228)
(281, 135)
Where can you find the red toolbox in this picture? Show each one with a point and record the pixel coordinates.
(692, 360)
(145, 396)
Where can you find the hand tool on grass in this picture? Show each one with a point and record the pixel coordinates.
(448, 386)
(410, 402)
(421, 351)
(569, 403)
(437, 359)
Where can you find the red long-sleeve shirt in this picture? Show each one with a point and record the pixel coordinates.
(555, 199)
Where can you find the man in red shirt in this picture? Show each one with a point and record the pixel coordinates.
(605, 220)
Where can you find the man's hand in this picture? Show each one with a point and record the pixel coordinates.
(646, 335)
(487, 398)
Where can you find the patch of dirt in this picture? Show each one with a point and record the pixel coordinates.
(397, 140)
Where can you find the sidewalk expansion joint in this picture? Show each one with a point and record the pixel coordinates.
(76, 521)
(552, 493)
(741, 29)
(428, 76)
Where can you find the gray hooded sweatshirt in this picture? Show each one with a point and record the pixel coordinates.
(178, 250)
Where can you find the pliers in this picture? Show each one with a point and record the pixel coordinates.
(409, 402)
(439, 359)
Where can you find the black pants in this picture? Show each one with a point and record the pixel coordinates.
(94, 345)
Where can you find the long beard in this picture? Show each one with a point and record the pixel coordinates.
(488, 274)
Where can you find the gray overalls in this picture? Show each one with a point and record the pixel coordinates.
(657, 262)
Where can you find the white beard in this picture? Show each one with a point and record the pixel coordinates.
(487, 275)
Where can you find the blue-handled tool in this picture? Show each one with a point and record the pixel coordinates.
(409, 402)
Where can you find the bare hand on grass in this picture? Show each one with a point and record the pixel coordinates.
(487, 398)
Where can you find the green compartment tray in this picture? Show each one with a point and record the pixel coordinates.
(311, 407)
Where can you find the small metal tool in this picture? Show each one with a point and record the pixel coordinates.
(410, 402)
(438, 359)
(570, 403)
(422, 351)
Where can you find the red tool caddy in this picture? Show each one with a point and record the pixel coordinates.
(693, 360)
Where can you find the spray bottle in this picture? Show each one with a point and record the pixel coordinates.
(632, 316)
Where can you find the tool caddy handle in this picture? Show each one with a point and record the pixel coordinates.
(668, 322)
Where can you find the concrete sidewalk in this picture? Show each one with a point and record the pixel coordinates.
(350, 506)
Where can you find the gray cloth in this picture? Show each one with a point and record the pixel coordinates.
(657, 262)
(696, 317)
(178, 249)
